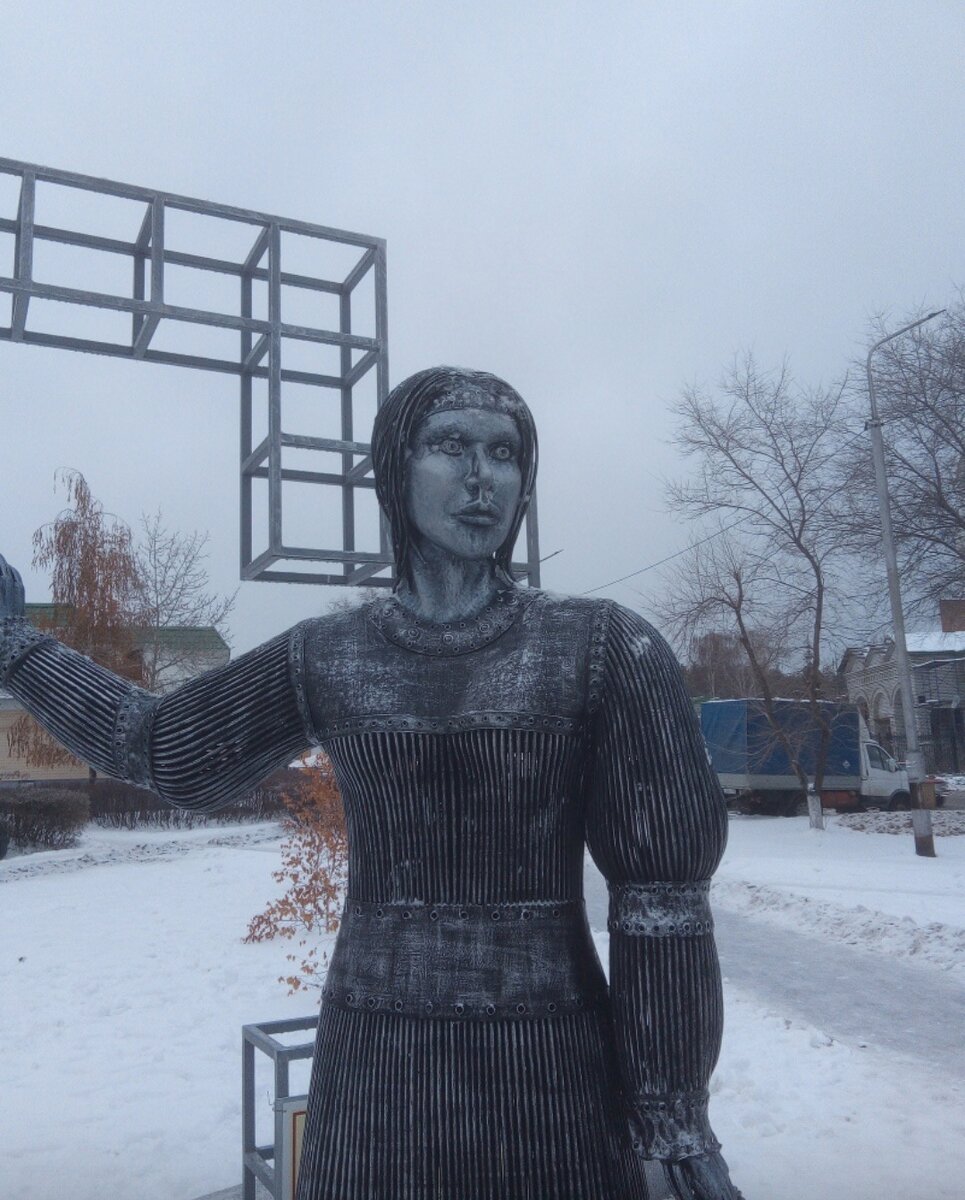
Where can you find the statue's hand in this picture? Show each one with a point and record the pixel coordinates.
(11, 590)
(701, 1177)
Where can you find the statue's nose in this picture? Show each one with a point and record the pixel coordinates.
(480, 471)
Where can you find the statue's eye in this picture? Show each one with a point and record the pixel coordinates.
(450, 445)
(503, 453)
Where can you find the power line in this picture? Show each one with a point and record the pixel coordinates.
(661, 561)
(710, 537)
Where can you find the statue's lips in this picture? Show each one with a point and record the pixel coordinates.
(478, 514)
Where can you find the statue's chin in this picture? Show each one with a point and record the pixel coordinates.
(467, 542)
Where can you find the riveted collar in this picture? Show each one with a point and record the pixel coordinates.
(457, 637)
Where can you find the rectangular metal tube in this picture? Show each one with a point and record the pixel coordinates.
(24, 254)
(532, 542)
(146, 330)
(291, 474)
(360, 471)
(306, 554)
(345, 365)
(303, 442)
(353, 374)
(257, 252)
(256, 457)
(175, 312)
(274, 390)
(127, 191)
(144, 334)
(359, 271)
(157, 252)
(246, 431)
(247, 1116)
(255, 353)
(366, 572)
(181, 258)
(270, 576)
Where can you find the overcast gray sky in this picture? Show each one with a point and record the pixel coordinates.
(598, 201)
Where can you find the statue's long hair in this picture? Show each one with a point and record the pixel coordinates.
(399, 417)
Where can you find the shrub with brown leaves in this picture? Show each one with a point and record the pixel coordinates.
(314, 865)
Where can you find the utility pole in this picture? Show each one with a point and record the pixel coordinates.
(920, 817)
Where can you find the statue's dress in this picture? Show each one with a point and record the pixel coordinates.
(468, 1047)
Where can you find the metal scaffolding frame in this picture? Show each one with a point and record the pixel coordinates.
(260, 354)
(274, 1165)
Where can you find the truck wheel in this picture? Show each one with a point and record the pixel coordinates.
(899, 802)
(796, 806)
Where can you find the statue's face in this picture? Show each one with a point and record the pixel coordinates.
(463, 480)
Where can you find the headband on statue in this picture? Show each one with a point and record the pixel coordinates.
(507, 402)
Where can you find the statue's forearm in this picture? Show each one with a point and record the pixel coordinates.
(666, 993)
(196, 747)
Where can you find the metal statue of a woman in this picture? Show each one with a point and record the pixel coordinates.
(482, 733)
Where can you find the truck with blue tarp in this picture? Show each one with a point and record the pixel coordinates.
(749, 743)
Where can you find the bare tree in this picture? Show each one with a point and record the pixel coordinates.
(920, 387)
(766, 457)
(712, 609)
(174, 594)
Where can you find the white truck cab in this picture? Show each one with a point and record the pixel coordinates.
(883, 783)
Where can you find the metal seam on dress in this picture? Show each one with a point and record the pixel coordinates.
(461, 721)
(296, 668)
(132, 737)
(18, 638)
(661, 909)
(438, 961)
(597, 657)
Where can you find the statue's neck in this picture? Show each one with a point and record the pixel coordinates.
(443, 588)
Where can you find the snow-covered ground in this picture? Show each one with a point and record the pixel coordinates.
(868, 889)
(124, 983)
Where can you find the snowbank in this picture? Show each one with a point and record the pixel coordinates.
(865, 889)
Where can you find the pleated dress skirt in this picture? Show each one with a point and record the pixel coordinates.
(405, 1108)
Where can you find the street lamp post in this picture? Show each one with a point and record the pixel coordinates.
(920, 817)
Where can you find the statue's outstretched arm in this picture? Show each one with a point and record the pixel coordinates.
(656, 827)
(197, 747)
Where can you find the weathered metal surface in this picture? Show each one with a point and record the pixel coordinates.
(466, 1047)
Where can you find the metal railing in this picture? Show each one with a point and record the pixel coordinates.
(275, 1165)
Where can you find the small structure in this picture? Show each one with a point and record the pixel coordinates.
(870, 674)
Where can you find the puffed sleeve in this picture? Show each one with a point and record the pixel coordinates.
(656, 828)
(197, 747)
